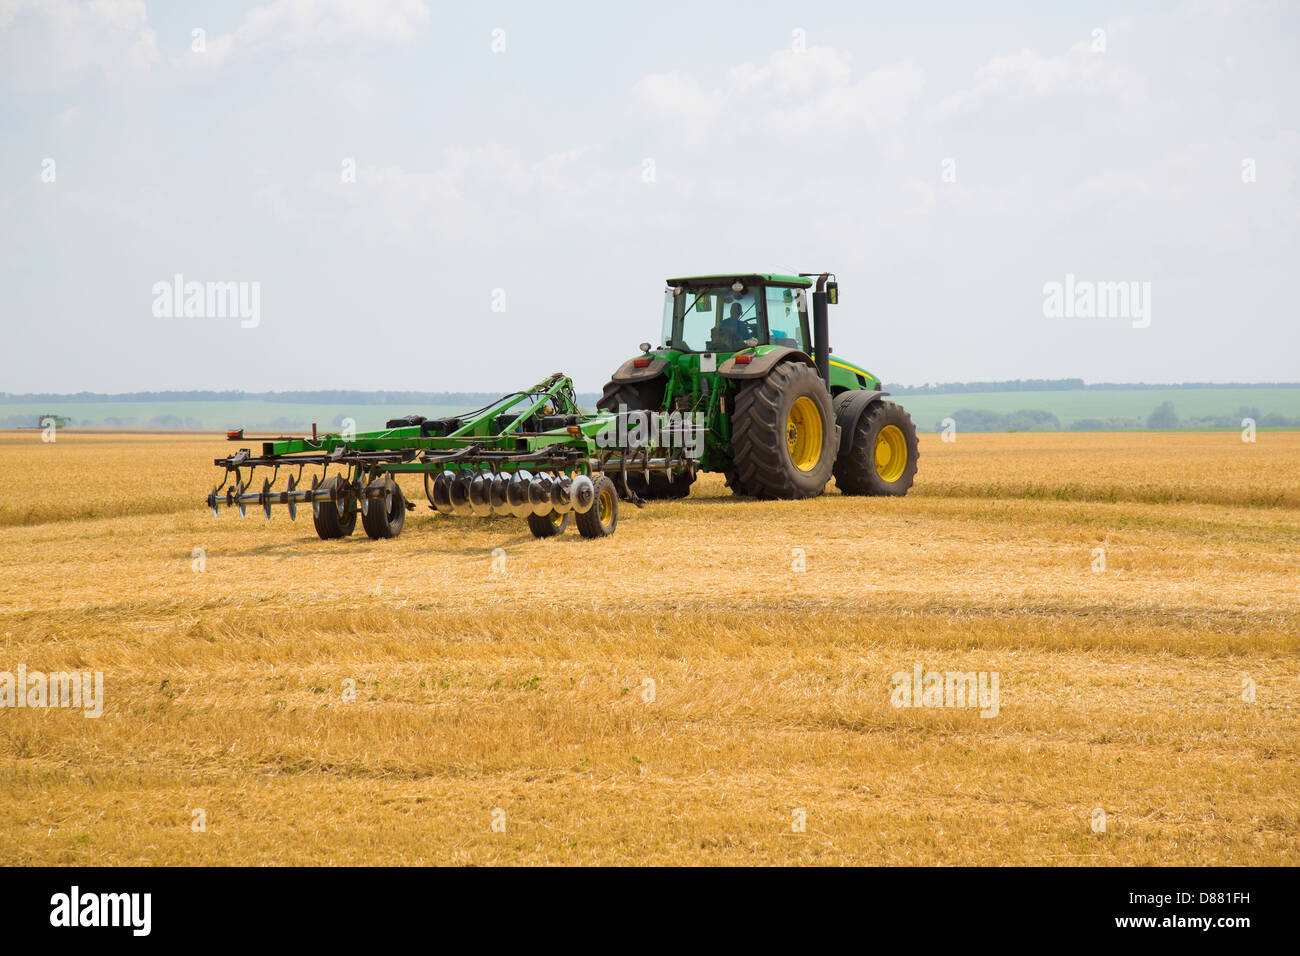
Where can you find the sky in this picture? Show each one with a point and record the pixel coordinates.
(434, 196)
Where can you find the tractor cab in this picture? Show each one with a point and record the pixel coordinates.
(731, 313)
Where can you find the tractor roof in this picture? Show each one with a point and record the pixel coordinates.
(758, 278)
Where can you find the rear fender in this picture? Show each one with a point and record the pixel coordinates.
(628, 372)
(760, 365)
(848, 407)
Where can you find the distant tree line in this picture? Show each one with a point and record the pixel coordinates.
(1163, 418)
(1062, 385)
(1025, 420)
(1018, 385)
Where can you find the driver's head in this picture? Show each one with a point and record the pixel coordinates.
(736, 311)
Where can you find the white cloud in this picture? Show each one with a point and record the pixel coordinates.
(271, 196)
(313, 25)
(488, 196)
(57, 42)
(801, 92)
(1029, 74)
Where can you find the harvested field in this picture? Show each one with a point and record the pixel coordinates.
(687, 691)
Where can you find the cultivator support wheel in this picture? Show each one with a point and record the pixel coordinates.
(333, 512)
(383, 516)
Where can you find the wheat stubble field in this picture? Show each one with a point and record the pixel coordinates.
(520, 696)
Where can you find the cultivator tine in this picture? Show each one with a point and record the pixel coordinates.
(440, 497)
(517, 494)
(539, 495)
(582, 493)
(498, 493)
(480, 502)
(292, 502)
(460, 505)
(561, 499)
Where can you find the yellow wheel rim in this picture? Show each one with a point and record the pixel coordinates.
(891, 453)
(803, 433)
(605, 507)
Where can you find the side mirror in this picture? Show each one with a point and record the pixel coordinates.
(833, 293)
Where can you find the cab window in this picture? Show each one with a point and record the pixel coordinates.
(787, 318)
(715, 319)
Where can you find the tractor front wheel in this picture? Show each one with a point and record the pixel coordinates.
(883, 454)
(783, 435)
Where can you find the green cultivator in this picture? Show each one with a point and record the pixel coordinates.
(532, 454)
(744, 384)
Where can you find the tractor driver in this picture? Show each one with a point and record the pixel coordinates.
(732, 331)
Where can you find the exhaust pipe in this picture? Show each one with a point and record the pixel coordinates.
(821, 331)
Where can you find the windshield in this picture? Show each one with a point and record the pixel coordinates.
(713, 319)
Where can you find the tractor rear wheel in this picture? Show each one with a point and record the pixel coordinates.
(384, 517)
(883, 454)
(330, 522)
(644, 396)
(601, 520)
(548, 526)
(735, 484)
(783, 434)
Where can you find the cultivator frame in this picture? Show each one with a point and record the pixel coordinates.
(533, 454)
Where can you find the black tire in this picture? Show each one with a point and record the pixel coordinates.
(764, 424)
(602, 519)
(634, 395)
(547, 526)
(384, 517)
(648, 396)
(660, 486)
(325, 514)
(859, 471)
(736, 485)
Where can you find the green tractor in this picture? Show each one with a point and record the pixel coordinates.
(782, 416)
